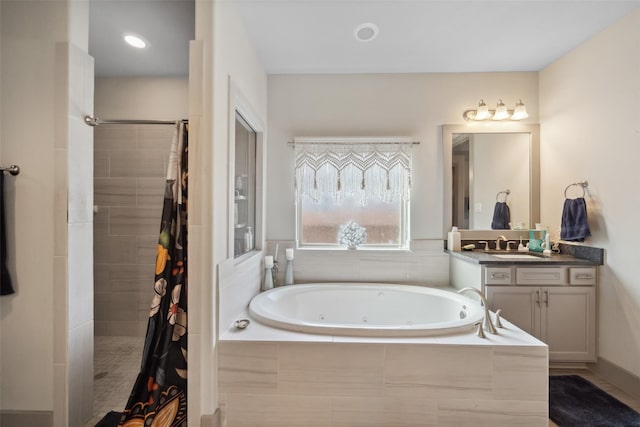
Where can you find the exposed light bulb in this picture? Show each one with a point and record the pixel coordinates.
(501, 111)
(520, 112)
(483, 111)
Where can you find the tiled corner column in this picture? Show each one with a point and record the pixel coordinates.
(382, 384)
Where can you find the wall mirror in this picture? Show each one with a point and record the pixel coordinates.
(491, 163)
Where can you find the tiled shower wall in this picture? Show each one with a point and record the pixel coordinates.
(130, 163)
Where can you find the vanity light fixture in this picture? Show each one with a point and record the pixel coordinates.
(520, 112)
(500, 113)
(482, 113)
(135, 40)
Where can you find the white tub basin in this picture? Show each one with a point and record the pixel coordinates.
(366, 309)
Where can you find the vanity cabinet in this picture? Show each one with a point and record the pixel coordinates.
(555, 304)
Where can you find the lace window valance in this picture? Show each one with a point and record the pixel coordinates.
(366, 167)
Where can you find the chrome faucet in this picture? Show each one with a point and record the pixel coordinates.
(487, 323)
(500, 237)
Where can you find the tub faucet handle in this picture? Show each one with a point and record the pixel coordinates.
(487, 323)
(479, 329)
(498, 322)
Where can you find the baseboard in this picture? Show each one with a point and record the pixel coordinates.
(10, 418)
(212, 420)
(619, 377)
(563, 366)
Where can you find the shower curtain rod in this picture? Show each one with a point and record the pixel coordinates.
(94, 121)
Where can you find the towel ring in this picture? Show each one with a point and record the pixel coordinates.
(583, 184)
(506, 194)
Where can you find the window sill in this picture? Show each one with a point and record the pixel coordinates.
(340, 249)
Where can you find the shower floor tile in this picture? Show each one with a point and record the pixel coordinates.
(116, 366)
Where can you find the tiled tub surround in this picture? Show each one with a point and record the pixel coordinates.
(130, 169)
(271, 377)
(424, 262)
(239, 279)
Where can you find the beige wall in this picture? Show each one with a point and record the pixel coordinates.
(224, 52)
(591, 130)
(144, 98)
(27, 316)
(46, 327)
(413, 105)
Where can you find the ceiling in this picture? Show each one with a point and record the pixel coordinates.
(167, 25)
(316, 36)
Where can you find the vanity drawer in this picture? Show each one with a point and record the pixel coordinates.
(498, 276)
(545, 276)
(582, 276)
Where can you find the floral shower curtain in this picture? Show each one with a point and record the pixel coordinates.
(159, 396)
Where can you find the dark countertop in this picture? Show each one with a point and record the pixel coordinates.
(479, 256)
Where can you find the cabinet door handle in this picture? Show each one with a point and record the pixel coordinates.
(584, 276)
(499, 275)
(538, 297)
(546, 298)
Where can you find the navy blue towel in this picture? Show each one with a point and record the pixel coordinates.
(501, 216)
(5, 279)
(574, 227)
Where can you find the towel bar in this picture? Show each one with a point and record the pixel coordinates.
(505, 192)
(583, 184)
(13, 169)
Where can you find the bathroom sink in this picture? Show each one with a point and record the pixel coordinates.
(515, 256)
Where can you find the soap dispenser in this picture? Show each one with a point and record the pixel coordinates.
(547, 244)
(521, 247)
(453, 240)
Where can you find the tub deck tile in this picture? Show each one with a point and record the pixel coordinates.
(438, 371)
(383, 412)
(520, 373)
(491, 413)
(331, 369)
(247, 410)
(247, 367)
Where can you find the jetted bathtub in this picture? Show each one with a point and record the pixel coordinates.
(366, 309)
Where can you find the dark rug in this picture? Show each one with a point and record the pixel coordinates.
(575, 402)
(110, 420)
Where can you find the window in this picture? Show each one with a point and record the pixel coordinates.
(353, 192)
(244, 193)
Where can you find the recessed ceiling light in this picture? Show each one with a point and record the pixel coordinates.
(366, 32)
(135, 40)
